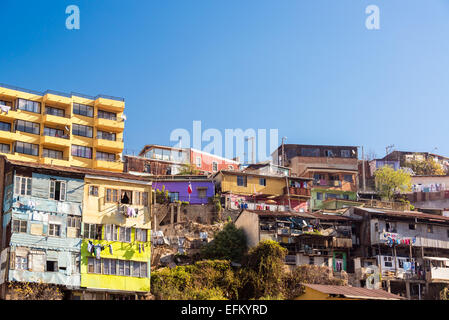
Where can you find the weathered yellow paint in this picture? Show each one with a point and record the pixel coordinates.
(274, 185)
(97, 211)
(60, 144)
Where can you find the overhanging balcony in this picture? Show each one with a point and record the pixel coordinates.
(55, 141)
(110, 124)
(109, 145)
(108, 165)
(294, 191)
(110, 104)
(49, 118)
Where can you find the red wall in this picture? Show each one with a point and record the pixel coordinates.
(207, 159)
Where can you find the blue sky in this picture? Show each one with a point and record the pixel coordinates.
(308, 68)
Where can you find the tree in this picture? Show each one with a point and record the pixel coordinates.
(34, 291)
(228, 244)
(264, 271)
(389, 182)
(189, 169)
(426, 167)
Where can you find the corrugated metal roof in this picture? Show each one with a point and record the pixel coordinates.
(355, 292)
(404, 214)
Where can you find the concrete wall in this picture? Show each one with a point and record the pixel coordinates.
(249, 222)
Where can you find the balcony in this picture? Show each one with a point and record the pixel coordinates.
(108, 165)
(110, 104)
(49, 118)
(55, 162)
(57, 98)
(108, 145)
(55, 141)
(8, 136)
(294, 191)
(111, 125)
(328, 183)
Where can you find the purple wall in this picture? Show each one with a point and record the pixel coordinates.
(181, 187)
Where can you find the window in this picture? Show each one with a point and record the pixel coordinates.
(137, 198)
(93, 265)
(429, 228)
(263, 182)
(19, 226)
(241, 181)
(54, 111)
(52, 132)
(111, 233)
(388, 262)
(311, 260)
(310, 152)
(74, 222)
(82, 152)
(107, 115)
(22, 186)
(27, 148)
(21, 263)
(376, 227)
(141, 235)
(80, 130)
(27, 126)
(5, 126)
(147, 168)
(173, 196)
(390, 226)
(121, 268)
(348, 177)
(145, 198)
(52, 266)
(27, 105)
(83, 110)
(214, 166)
(319, 196)
(106, 266)
(345, 153)
(54, 230)
(126, 197)
(329, 153)
(198, 162)
(136, 268)
(93, 191)
(53, 154)
(5, 103)
(111, 195)
(57, 190)
(412, 226)
(202, 193)
(5, 148)
(125, 234)
(92, 231)
(127, 268)
(105, 156)
(106, 135)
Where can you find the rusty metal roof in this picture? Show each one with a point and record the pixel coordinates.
(354, 292)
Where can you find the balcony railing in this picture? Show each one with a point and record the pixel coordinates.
(297, 191)
(328, 183)
(65, 136)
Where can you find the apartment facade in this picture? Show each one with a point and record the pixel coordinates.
(41, 222)
(62, 129)
(116, 237)
(334, 169)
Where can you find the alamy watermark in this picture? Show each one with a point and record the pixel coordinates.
(372, 22)
(234, 141)
(73, 20)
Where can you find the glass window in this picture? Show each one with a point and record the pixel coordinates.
(52, 132)
(174, 196)
(54, 230)
(107, 115)
(93, 191)
(5, 148)
(310, 152)
(141, 235)
(319, 196)
(111, 232)
(145, 198)
(22, 186)
(125, 234)
(5, 126)
(105, 156)
(82, 152)
(345, 153)
(83, 110)
(27, 126)
(202, 193)
(106, 135)
(21, 263)
(80, 130)
(54, 111)
(19, 226)
(214, 166)
(348, 177)
(54, 154)
(241, 181)
(27, 105)
(262, 181)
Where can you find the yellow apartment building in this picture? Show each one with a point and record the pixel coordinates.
(62, 129)
(116, 219)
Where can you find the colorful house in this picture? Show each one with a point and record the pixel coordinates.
(41, 224)
(258, 191)
(116, 244)
(202, 188)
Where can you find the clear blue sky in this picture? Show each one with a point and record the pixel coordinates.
(308, 68)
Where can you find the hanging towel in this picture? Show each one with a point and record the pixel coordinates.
(143, 248)
(97, 252)
(140, 249)
(110, 249)
(89, 247)
(129, 212)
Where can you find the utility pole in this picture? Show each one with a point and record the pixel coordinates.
(363, 170)
(283, 157)
(388, 148)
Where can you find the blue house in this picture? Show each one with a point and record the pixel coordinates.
(41, 223)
